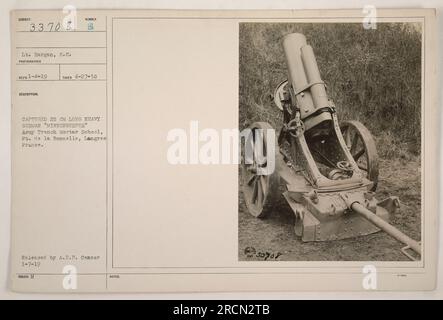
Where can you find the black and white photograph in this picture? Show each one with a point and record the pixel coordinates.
(285, 151)
(345, 101)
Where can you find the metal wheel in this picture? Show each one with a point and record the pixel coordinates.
(260, 189)
(361, 144)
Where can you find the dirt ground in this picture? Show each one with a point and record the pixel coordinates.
(273, 238)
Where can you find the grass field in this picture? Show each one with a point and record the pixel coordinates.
(373, 76)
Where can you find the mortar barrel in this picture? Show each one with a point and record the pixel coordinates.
(318, 89)
(388, 228)
(292, 44)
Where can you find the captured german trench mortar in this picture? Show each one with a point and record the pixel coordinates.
(329, 169)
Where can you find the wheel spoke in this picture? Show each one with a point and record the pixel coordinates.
(254, 192)
(259, 193)
(263, 185)
(354, 143)
(348, 137)
(251, 179)
(358, 154)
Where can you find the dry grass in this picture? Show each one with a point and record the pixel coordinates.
(372, 75)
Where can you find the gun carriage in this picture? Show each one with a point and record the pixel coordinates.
(329, 168)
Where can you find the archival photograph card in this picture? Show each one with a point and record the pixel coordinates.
(221, 151)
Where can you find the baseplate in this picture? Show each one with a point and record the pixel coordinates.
(340, 226)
